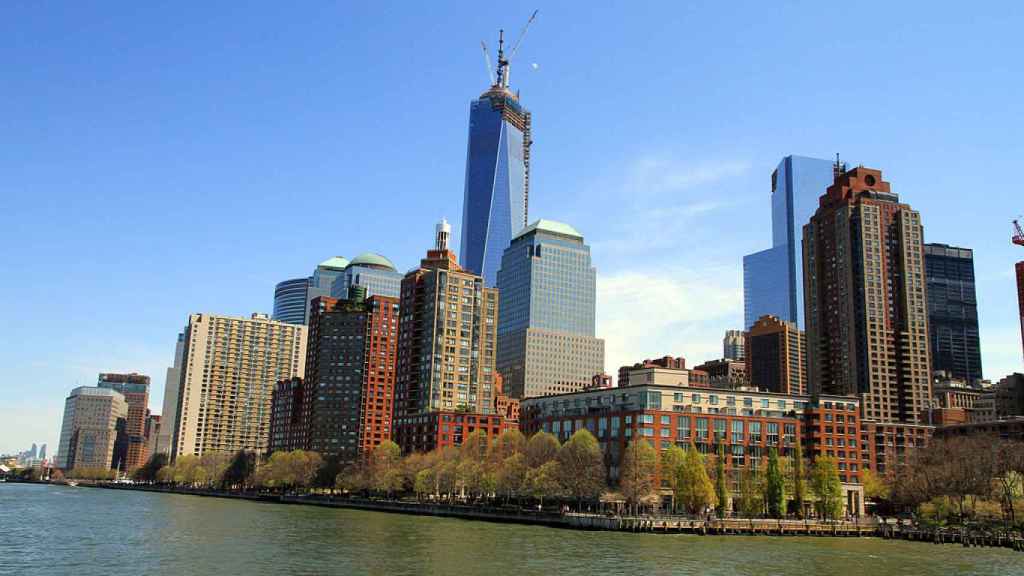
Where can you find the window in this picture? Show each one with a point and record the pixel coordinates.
(773, 433)
(719, 430)
(683, 427)
(713, 399)
(702, 429)
(737, 431)
(666, 420)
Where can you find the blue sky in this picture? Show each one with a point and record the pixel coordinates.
(167, 158)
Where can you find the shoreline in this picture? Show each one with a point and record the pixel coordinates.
(608, 523)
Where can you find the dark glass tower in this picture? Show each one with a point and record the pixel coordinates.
(952, 311)
(495, 201)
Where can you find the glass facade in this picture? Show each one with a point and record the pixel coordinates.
(952, 311)
(378, 281)
(797, 183)
(290, 299)
(497, 172)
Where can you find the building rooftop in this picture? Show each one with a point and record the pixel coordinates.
(373, 261)
(552, 227)
(334, 263)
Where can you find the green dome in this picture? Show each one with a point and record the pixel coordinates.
(371, 260)
(334, 263)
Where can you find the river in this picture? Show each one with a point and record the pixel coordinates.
(56, 530)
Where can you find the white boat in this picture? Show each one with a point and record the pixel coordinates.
(72, 483)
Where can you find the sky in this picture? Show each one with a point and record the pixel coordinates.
(165, 158)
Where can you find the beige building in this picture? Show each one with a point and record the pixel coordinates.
(90, 427)
(229, 368)
(656, 376)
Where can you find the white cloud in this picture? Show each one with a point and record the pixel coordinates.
(666, 311)
(656, 174)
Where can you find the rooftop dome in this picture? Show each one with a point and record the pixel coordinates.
(551, 227)
(371, 260)
(334, 263)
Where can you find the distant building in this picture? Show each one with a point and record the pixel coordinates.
(288, 427)
(725, 373)
(777, 356)
(663, 362)
(42, 452)
(495, 203)
(172, 385)
(867, 325)
(447, 381)
(229, 370)
(547, 289)
(952, 311)
(1020, 297)
(291, 300)
(94, 423)
(135, 389)
(152, 434)
(323, 279)
(773, 278)
(601, 380)
(371, 271)
(733, 345)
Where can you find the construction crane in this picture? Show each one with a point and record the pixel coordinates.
(1018, 236)
(503, 62)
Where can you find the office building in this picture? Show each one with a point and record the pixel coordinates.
(733, 345)
(152, 434)
(288, 429)
(373, 272)
(229, 369)
(867, 323)
(663, 362)
(773, 278)
(447, 333)
(547, 289)
(172, 385)
(1020, 297)
(777, 356)
(135, 389)
(94, 423)
(952, 311)
(496, 196)
(724, 373)
(323, 279)
(291, 300)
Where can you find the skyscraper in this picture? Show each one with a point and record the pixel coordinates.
(94, 418)
(371, 271)
(773, 278)
(1020, 297)
(952, 311)
(777, 356)
(733, 345)
(496, 196)
(323, 278)
(547, 290)
(135, 389)
(291, 300)
(447, 335)
(864, 277)
(229, 369)
(172, 386)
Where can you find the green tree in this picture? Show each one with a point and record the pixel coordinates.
(505, 445)
(147, 472)
(511, 476)
(696, 491)
(328, 471)
(639, 465)
(826, 487)
(721, 483)
(798, 471)
(775, 486)
(581, 466)
(751, 502)
(543, 481)
(671, 464)
(385, 467)
(239, 472)
(541, 449)
(875, 486)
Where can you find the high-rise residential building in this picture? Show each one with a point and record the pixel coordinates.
(1020, 298)
(349, 385)
(94, 422)
(287, 416)
(952, 311)
(447, 336)
(152, 434)
(135, 389)
(777, 356)
(864, 277)
(773, 278)
(371, 271)
(172, 386)
(732, 345)
(229, 370)
(547, 287)
(291, 300)
(495, 202)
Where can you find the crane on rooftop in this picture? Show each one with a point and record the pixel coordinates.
(500, 78)
(1018, 235)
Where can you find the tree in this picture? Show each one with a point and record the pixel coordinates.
(799, 476)
(639, 465)
(751, 503)
(671, 464)
(581, 466)
(826, 487)
(696, 492)
(875, 486)
(385, 469)
(147, 472)
(510, 480)
(775, 494)
(541, 449)
(305, 464)
(505, 445)
(721, 483)
(239, 471)
(328, 472)
(543, 481)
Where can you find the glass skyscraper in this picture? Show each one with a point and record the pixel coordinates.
(495, 202)
(547, 292)
(952, 311)
(773, 278)
(372, 271)
(290, 299)
(333, 277)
